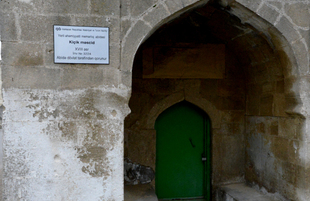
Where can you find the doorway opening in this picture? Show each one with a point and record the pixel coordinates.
(183, 154)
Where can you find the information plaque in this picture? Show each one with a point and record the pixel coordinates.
(83, 45)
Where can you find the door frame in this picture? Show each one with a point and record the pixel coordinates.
(207, 144)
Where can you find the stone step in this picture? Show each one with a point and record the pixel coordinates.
(241, 192)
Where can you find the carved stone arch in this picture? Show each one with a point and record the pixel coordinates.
(205, 105)
(281, 33)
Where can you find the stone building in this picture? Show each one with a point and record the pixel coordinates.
(67, 127)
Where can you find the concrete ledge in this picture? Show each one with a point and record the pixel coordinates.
(140, 192)
(241, 192)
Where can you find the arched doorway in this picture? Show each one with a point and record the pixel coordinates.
(183, 153)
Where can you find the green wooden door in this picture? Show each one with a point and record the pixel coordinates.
(182, 140)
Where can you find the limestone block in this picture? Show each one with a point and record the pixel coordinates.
(23, 6)
(174, 5)
(233, 155)
(155, 16)
(252, 5)
(295, 154)
(266, 105)
(125, 5)
(40, 28)
(142, 147)
(32, 107)
(302, 56)
(8, 27)
(131, 44)
(279, 148)
(30, 77)
(22, 54)
(268, 13)
(105, 7)
(125, 25)
(279, 105)
(66, 7)
(252, 108)
(137, 7)
(111, 77)
(287, 29)
(288, 128)
(126, 79)
(79, 78)
(299, 13)
(112, 23)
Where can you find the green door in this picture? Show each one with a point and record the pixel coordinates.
(182, 153)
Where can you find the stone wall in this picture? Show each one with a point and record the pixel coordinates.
(222, 99)
(63, 124)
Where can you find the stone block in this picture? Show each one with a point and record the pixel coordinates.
(288, 128)
(105, 7)
(280, 86)
(232, 156)
(295, 153)
(115, 52)
(8, 27)
(287, 29)
(233, 116)
(30, 77)
(131, 44)
(142, 147)
(174, 5)
(79, 78)
(208, 87)
(126, 79)
(250, 4)
(279, 148)
(273, 126)
(252, 105)
(299, 13)
(112, 23)
(40, 28)
(279, 105)
(66, 7)
(140, 6)
(156, 15)
(268, 13)
(22, 54)
(125, 25)
(34, 6)
(111, 77)
(125, 6)
(266, 105)
(302, 56)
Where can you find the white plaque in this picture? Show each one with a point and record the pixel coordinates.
(84, 45)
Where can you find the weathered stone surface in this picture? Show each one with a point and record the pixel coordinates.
(66, 7)
(137, 7)
(40, 28)
(83, 144)
(131, 43)
(298, 12)
(268, 13)
(156, 15)
(22, 54)
(77, 78)
(105, 7)
(31, 77)
(250, 4)
(112, 23)
(8, 27)
(287, 29)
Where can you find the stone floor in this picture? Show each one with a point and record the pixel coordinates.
(146, 193)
